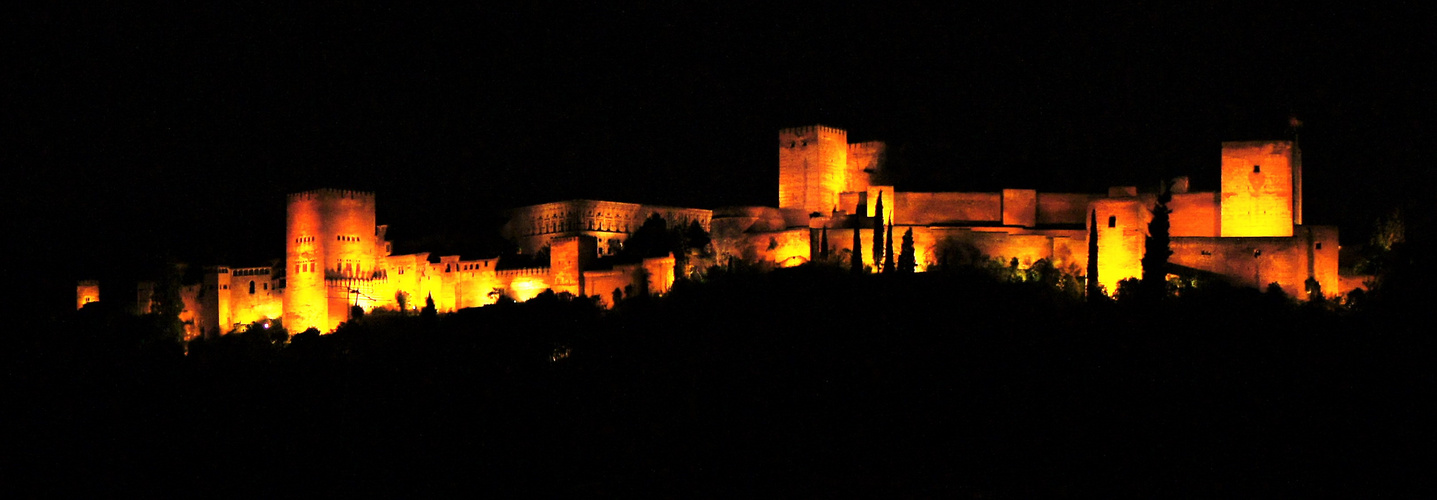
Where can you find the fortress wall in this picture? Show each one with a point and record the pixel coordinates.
(948, 243)
(1252, 262)
(785, 248)
(445, 276)
(923, 209)
(1020, 207)
(1064, 208)
(884, 194)
(213, 302)
(853, 203)
(192, 316)
(659, 274)
(243, 307)
(567, 257)
(1323, 250)
(865, 163)
(840, 243)
(931, 245)
(340, 296)
(1194, 214)
(524, 284)
(404, 274)
(609, 222)
(1122, 230)
(1257, 188)
(602, 284)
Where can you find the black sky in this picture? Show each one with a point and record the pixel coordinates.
(135, 131)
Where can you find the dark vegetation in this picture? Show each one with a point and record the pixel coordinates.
(990, 382)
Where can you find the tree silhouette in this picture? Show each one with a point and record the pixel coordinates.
(888, 250)
(878, 233)
(906, 260)
(1092, 288)
(430, 311)
(823, 243)
(168, 303)
(855, 264)
(1156, 249)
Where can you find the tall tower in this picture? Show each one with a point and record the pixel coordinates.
(331, 239)
(812, 168)
(1261, 188)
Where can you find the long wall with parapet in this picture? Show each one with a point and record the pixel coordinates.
(609, 222)
(1256, 210)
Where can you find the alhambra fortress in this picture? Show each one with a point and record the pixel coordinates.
(1250, 232)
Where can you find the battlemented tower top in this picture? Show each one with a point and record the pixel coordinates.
(332, 193)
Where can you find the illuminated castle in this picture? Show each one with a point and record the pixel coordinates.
(1249, 232)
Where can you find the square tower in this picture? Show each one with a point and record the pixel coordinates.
(812, 168)
(331, 239)
(1259, 188)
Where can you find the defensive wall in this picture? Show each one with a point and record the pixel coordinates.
(1249, 231)
(534, 227)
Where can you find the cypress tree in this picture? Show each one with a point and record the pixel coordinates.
(1093, 292)
(878, 234)
(907, 262)
(823, 243)
(888, 250)
(1156, 249)
(856, 263)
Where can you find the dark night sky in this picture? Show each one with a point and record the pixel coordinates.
(132, 131)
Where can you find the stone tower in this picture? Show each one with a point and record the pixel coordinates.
(87, 291)
(812, 168)
(330, 240)
(1261, 188)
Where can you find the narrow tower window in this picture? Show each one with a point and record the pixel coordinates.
(1257, 169)
(251, 287)
(1112, 221)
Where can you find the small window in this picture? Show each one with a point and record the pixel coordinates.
(251, 288)
(1319, 245)
(1257, 169)
(1112, 221)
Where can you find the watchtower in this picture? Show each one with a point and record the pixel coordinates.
(330, 235)
(812, 168)
(1261, 188)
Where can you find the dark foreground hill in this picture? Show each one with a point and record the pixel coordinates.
(804, 382)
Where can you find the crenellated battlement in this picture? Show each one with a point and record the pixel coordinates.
(810, 129)
(867, 147)
(524, 271)
(315, 194)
